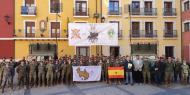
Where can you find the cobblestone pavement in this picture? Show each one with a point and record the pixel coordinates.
(99, 88)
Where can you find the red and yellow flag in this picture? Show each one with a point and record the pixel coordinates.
(116, 72)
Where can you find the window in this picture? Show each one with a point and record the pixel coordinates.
(119, 32)
(148, 8)
(80, 8)
(186, 5)
(135, 8)
(83, 51)
(169, 51)
(148, 29)
(169, 27)
(30, 29)
(113, 7)
(169, 30)
(114, 51)
(168, 9)
(28, 8)
(186, 27)
(55, 29)
(29, 3)
(135, 29)
(55, 6)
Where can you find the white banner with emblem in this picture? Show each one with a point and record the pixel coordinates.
(86, 73)
(86, 34)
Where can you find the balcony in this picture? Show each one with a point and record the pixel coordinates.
(81, 12)
(169, 12)
(30, 35)
(143, 33)
(115, 12)
(144, 11)
(170, 33)
(28, 10)
(53, 35)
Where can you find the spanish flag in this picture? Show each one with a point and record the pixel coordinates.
(116, 72)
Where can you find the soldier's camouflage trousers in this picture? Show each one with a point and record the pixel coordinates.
(32, 77)
(41, 79)
(49, 77)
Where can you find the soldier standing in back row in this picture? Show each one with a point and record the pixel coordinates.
(41, 74)
(21, 70)
(49, 75)
(32, 73)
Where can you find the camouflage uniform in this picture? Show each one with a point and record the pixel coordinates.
(21, 70)
(63, 71)
(49, 74)
(41, 74)
(56, 72)
(6, 76)
(146, 70)
(184, 73)
(169, 70)
(69, 76)
(32, 73)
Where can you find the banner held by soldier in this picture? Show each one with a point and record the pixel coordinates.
(86, 73)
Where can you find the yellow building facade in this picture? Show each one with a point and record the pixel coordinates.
(41, 27)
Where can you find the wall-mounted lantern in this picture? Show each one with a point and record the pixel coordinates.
(7, 19)
(43, 25)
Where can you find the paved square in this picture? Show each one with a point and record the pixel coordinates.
(99, 88)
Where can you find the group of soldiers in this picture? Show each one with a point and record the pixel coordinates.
(51, 72)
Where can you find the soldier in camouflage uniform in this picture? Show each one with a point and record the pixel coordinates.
(21, 70)
(41, 73)
(107, 64)
(69, 75)
(63, 71)
(56, 72)
(146, 70)
(7, 76)
(184, 72)
(33, 73)
(169, 70)
(49, 75)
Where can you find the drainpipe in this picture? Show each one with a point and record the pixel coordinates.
(14, 49)
(181, 29)
(101, 22)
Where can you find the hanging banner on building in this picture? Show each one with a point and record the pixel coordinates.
(116, 72)
(86, 73)
(86, 34)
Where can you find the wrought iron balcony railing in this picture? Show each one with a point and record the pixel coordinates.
(143, 33)
(169, 12)
(170, 33)
(144, 11)
(81, 12)
(117, 11)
